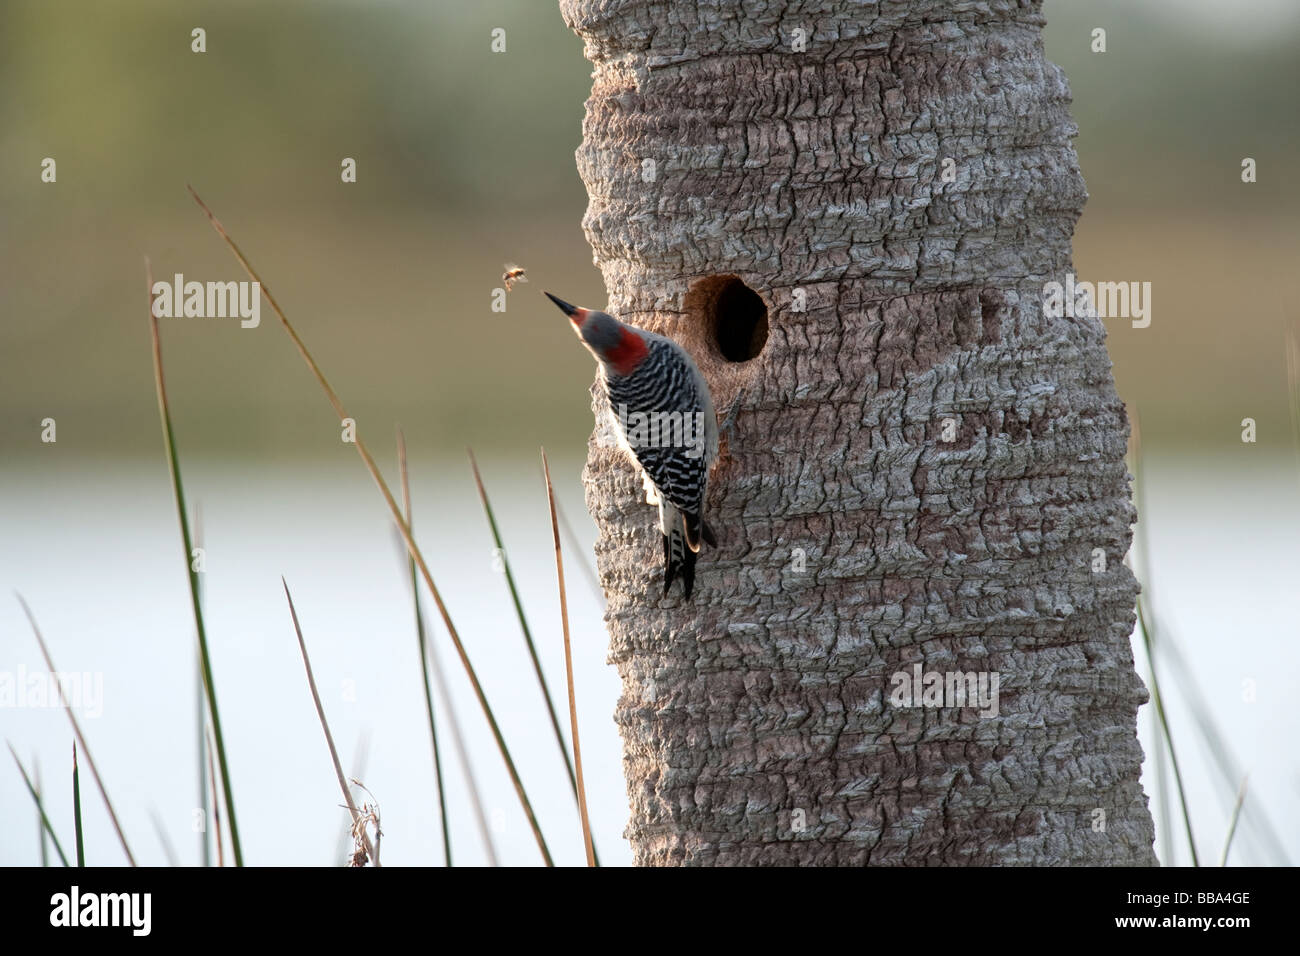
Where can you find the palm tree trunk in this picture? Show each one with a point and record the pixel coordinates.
(924, 466)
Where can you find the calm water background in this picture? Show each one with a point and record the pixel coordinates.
(99, 563)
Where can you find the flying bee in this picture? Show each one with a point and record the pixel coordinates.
(512, 275)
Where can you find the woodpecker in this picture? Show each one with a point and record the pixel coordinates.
(663, 415)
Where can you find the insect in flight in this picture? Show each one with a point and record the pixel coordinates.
(512, 275)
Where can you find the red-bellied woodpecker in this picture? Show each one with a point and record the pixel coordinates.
(663, 415)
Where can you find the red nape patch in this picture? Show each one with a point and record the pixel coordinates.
(629, 352)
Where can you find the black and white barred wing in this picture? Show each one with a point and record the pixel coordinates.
(661, 417)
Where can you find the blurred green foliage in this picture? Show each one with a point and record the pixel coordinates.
(465, 161)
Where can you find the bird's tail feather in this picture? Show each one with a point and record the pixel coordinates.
(679, 558)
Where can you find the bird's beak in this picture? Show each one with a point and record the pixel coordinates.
(572, 311)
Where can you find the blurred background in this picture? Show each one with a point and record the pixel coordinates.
(464, 162)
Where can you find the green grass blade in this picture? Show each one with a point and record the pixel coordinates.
(576, 548)
(457, 737)
(368, 460)
(430, 654)
(462, 755)
(164, 840)
(424, 656)
(46, 826)
(1293, 386)
(76, 808)
(173, 462)
(216, 804)
(1142, 568)
(1158, 700)
(35, 788)
(1232, 823)
(1230, 772)
(523, 622)
(76, 730)
(201, 720)
(1148, 641)
(568, 670)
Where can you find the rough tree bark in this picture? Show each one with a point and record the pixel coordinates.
(757, 719)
